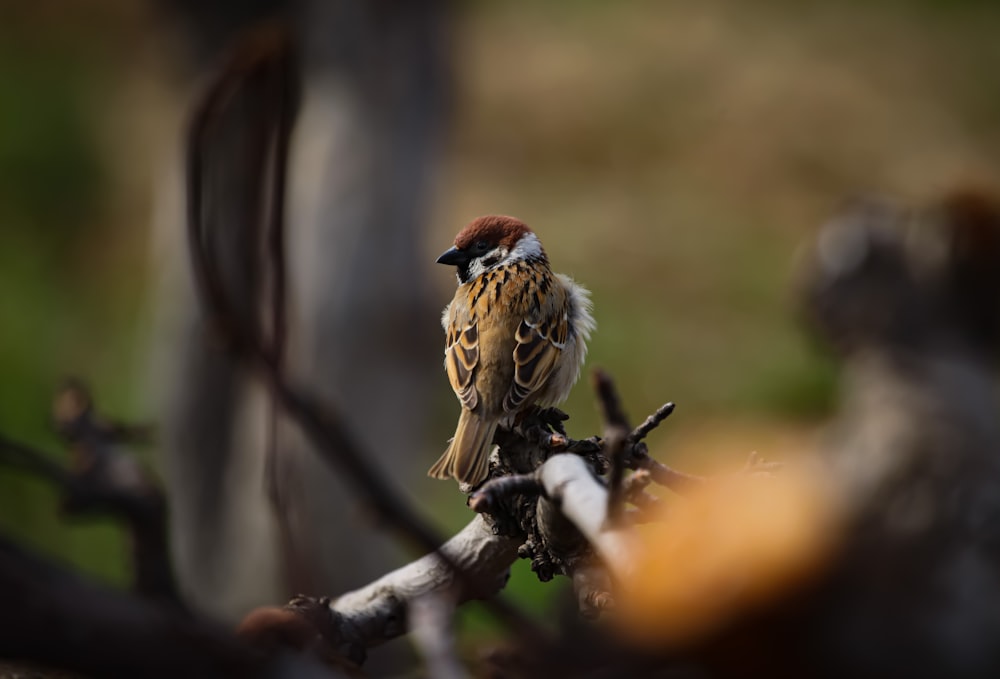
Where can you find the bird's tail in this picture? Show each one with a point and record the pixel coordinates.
(468, 456)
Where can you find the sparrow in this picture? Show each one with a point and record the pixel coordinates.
(516, 337)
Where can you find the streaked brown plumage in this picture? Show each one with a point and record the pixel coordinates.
(516, 336)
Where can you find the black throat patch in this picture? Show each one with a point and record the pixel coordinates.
(463, 271)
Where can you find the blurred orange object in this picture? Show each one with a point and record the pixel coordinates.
(735, 543)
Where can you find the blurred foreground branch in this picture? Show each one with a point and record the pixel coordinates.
(53, 618)
(105, 480)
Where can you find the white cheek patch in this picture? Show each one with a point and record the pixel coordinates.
(528, 247)
(490, 260)
(476, 268)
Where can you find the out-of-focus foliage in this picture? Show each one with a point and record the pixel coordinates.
(71, 251)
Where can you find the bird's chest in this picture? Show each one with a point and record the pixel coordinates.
(505, 296)
(497, 302)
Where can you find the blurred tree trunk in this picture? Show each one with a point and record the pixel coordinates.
(364, 329)
(361, 329)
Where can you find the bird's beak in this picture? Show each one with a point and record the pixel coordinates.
(454, 257)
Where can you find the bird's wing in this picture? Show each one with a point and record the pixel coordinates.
(461, 356)
(539, 343)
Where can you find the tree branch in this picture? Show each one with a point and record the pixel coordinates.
(583, 500)
(378, 612)
(105, 480)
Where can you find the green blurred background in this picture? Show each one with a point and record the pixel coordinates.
(670, 155)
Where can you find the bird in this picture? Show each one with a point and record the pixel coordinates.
(516, 337)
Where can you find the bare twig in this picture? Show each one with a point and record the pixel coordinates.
(285, 102)
(651, 423)
(635, 453)
(484, 499)
(615, 449)
(616, 435)
(668, 477)
(282, 97)
(607, 398)
(682, 482)
(632, 452)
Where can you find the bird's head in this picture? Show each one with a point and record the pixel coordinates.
(491, 241)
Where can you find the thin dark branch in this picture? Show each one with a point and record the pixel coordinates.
(638, 458)
(668, 477)
(633, 452)
(285, 103)
(208, 110)
(282, 93)
(484, 500)
(607, 398)
(616, 435)
(321, 424)
(84, 494)
(615, 449)
(651, 423)
(21, 456)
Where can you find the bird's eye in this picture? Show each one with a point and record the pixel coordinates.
(482, 245)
